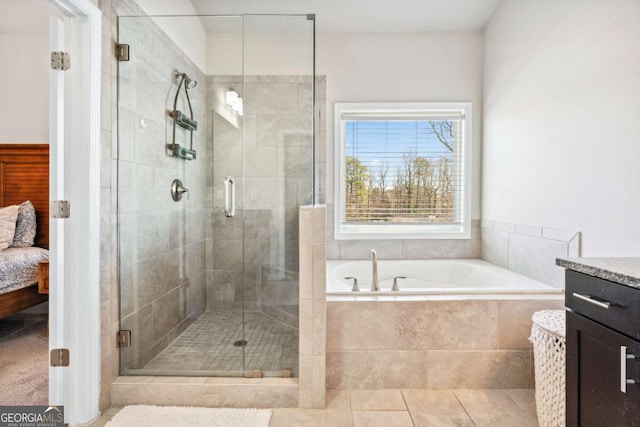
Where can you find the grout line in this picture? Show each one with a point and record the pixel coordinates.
(463, 408)
(353, 421)
(407, 406)
(514, 402)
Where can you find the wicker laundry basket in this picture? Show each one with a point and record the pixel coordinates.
(549, 349)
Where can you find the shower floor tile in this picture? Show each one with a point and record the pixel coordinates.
(206, 347)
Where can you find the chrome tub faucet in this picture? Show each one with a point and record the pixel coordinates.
(375, 285)
(395, 287)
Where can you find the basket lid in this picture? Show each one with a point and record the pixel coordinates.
(552, 321)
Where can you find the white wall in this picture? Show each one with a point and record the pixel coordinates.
(562, 120)
(24, 74)
(404, 67)
(369, 67)
(187, 33)
(289, 53)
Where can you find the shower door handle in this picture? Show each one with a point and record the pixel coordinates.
(229, 197)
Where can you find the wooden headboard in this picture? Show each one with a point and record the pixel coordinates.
(24, 175)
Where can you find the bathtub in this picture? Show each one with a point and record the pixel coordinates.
(454, 324)
(434, 277)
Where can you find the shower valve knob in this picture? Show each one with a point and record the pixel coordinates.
(178, 189)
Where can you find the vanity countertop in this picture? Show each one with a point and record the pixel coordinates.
(625, 271)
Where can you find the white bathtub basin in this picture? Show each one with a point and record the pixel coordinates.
(431, 277)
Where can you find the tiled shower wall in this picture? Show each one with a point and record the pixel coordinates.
(277, 179)
(159, 304)
(162, 244)
(529, 250)
(109, 198)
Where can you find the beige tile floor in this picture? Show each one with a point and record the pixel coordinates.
(399, 408)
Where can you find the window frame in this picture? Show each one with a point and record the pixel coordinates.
(399, 230)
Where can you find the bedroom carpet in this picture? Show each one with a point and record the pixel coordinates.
(24, 372)
(180, 416)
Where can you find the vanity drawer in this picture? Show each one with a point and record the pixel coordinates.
(609, 303)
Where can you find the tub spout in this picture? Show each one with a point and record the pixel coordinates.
(375, 285)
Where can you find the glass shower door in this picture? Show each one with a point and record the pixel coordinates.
(164, 164)
(213, 166)
(278, 179)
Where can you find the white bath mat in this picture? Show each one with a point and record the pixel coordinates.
(179, 416)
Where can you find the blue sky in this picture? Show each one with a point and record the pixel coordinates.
(371, 141)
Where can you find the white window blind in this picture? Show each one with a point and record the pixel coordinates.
(403, 170)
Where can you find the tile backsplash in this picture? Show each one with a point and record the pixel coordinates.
(528, 250)
(524, 249)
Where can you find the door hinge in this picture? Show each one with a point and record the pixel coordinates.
(60, 61)
(60, 209)
(122, 52)
(59, 357)
(124, 338)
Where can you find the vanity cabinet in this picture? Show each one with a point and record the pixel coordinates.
(603, 352)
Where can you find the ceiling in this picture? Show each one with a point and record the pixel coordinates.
(365, 15)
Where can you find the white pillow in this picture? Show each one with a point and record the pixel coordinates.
(8, 217)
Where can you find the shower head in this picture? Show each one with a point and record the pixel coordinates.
(188, 82)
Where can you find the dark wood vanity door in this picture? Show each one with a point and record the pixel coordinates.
(594, 396)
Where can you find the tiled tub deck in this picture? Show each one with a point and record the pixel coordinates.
(431, 344)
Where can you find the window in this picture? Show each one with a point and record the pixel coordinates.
(402, 170)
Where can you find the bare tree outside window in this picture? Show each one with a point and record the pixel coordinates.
(402, 171)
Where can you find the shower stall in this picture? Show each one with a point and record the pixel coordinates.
(214, 160)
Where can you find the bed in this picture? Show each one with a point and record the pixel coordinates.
(24, 175)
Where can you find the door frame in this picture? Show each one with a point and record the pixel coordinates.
(75, 304)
